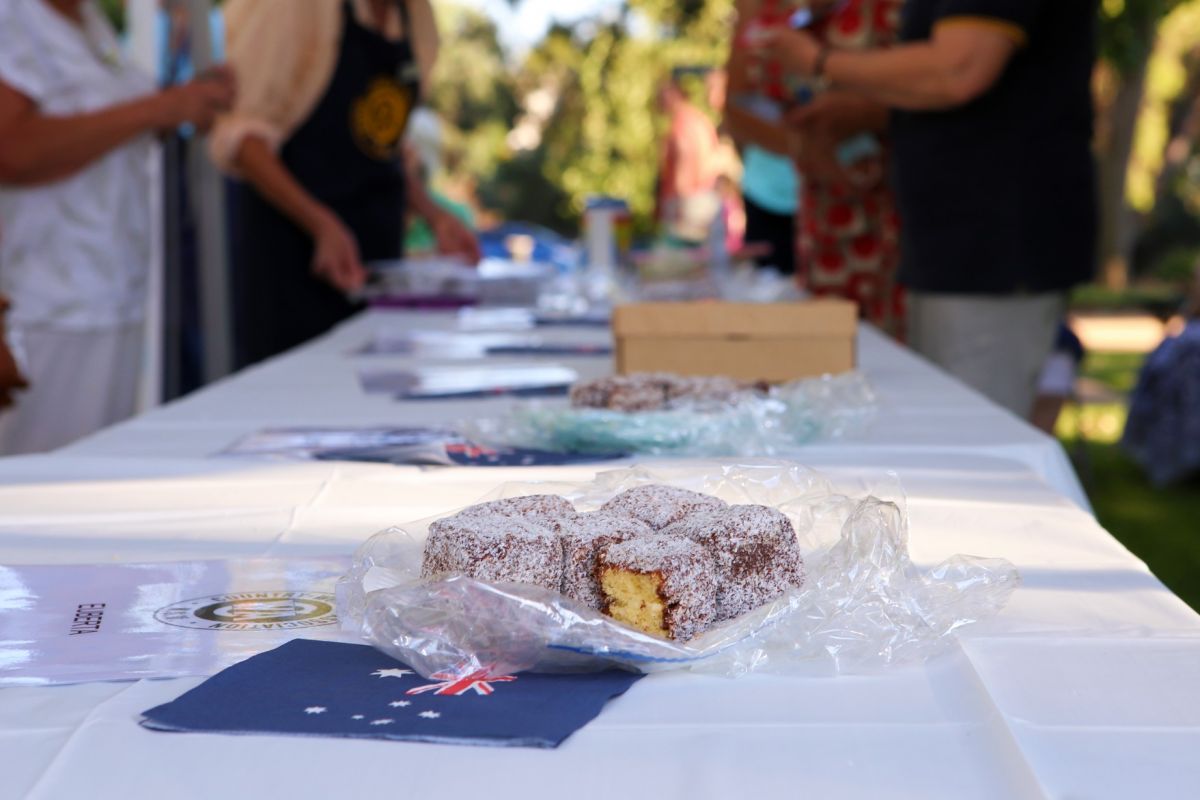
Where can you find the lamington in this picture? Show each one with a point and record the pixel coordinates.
(705, 389)
(755, 550)
(653, 391)
(643, 391)
(533, 506)
(662, 585)
(659, 506)
(496, 548)
(583, 536)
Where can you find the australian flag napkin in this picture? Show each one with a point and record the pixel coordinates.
(312, 688)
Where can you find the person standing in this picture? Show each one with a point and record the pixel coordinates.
(770, 184)
(327, 87)
(994, 174)
(76, 120)
(771, 197)
(848, 240)
(689, 166)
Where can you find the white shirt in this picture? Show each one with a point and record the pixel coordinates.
(75, 253)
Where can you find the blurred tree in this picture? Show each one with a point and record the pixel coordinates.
(1165, 160)
(1127, 35)
(474, 93)
(591, 124)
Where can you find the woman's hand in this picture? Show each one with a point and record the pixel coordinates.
(453, 237)
(11, 378)
(826, 122)
(816, 155)
(795, 51)
(336, 258)
(198, 102)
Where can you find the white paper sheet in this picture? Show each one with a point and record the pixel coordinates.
(67, 624)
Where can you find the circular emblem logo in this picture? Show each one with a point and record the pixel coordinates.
(251, 611)
(379, 116)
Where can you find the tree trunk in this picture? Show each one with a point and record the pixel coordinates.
(1184, 130)
(1118, 222)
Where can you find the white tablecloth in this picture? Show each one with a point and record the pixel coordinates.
(1086, 686)
(922, 410)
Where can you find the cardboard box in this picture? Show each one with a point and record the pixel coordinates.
(750, 341)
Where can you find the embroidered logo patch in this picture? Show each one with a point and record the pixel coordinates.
(379, 116)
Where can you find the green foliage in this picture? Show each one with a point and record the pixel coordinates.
(1178, 266)
(520, 186)
(1173, 72)
(1142, 297)
(472, 86)
(1127, 30)
(600, 132)
(115, 9)
(1157, 524)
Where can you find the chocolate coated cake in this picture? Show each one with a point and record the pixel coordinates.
(659, 506)
(755, 551)
(583, 536)
(495, 548)
(662, 585)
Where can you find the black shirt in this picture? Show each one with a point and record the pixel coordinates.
(998, 196)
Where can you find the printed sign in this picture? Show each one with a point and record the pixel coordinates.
(68, 624)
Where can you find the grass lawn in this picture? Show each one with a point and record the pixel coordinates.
(1161, 526)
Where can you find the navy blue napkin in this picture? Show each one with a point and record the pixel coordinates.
(312, 688)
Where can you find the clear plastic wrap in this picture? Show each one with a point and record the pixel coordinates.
(864, 605)
(830, 407)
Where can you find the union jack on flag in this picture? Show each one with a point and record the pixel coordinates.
(480, 681)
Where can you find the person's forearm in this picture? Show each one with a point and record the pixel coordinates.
(871, 115)
(915, 77)
(42, 149)
(419, 199)
(749, 129)
(259, 165)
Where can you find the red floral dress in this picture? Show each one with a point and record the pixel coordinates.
(849, 234)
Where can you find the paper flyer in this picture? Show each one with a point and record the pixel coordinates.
(70, 624)
(483, 381)
(412, 446)
(474, 346)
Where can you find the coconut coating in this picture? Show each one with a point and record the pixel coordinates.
(533, 506)
(495, 548)
(755, 550)
(583, 536)
(653, 391)
(659, 506)
(686, 579)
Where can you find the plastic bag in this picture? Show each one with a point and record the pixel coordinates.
(864, 605)
(830, 407)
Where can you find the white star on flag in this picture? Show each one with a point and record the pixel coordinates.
(400, 704)
(315, 710)
(382, 721)
(429, 714)
(392, 673)
(357, 716)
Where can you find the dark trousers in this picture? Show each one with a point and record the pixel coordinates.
(776, 230)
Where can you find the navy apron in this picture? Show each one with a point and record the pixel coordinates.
(346, 155)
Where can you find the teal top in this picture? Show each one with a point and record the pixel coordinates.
(770, 181)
